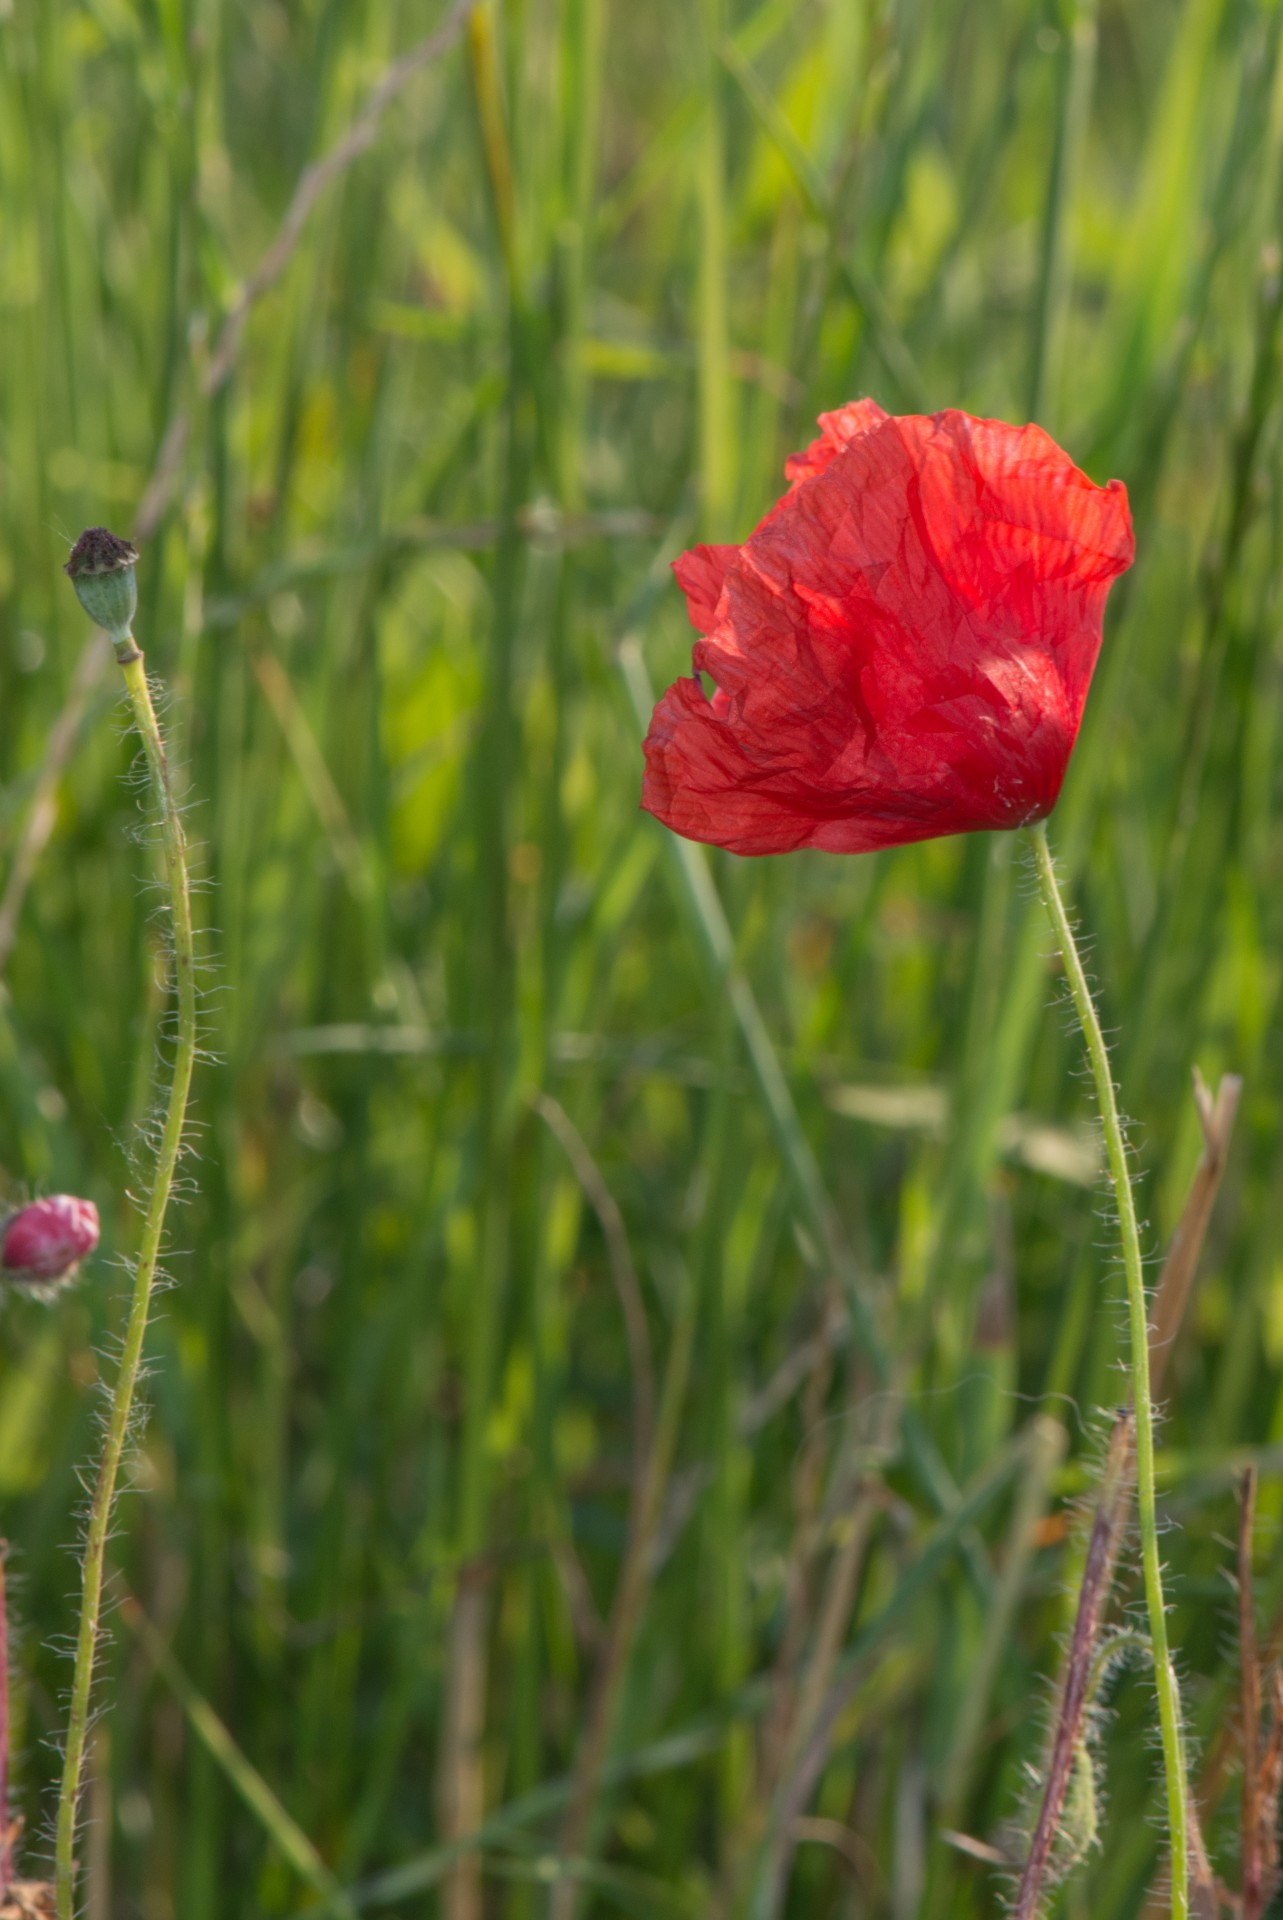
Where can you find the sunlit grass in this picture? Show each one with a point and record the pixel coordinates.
(392, 1395)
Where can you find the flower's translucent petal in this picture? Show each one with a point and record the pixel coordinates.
(903, 647)
(700, 574)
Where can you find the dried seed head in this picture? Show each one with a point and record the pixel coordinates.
(101, 569)
(27, 1900)
(47, 1240)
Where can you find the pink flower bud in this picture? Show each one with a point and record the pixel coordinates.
(48, 1239)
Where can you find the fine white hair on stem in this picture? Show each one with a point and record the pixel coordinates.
(163, 1133)
(1166, 1683)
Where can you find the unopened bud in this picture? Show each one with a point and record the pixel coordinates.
(47, 1240)
(101, 569)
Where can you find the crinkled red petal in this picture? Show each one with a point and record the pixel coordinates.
(837, 431)
(903, 647)
(700, 575)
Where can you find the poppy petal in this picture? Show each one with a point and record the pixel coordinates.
(902, 648)
(700, 574)
(837, 431)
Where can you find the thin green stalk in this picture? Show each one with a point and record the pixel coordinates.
(175, 847)
(1164, 1673)
(1077, 75)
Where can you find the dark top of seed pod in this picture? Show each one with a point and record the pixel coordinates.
(98, 551)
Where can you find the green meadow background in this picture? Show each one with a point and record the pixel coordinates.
(643, 1323)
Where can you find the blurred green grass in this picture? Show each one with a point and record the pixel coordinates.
(571, 310)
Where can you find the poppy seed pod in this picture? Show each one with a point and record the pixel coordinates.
(47, 1240)
(101, 569)
(901, 650)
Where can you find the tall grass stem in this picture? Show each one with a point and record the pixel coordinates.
(245, 1779)
(716, 401)
(1055, 273)
(175, 852)
(1116, 1148)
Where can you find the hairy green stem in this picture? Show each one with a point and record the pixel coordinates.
(1146, 1505)
(122, 1400)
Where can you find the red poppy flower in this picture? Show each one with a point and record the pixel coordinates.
(903, 647)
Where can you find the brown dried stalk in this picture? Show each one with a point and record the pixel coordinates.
(1222, 1749)
(1177, 1277)
(461, 1782)
(1262, 1762)
(1250, 1693)
(1269, 1789)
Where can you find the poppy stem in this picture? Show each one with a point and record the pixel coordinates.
(1146, 1504)
(174, 843)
